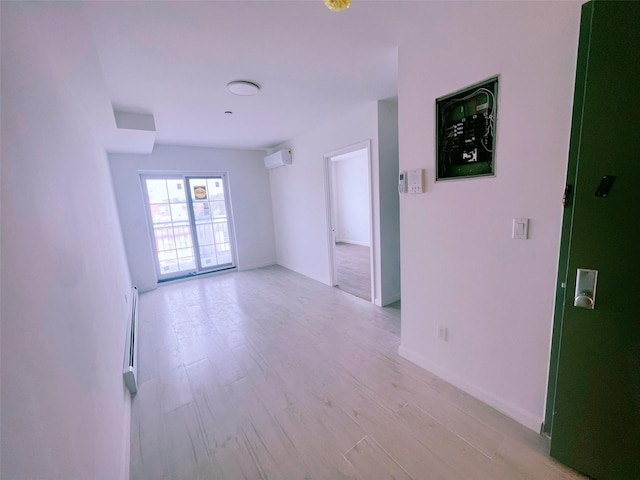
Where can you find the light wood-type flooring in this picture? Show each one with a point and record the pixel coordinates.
(266, 374)
(353, 269)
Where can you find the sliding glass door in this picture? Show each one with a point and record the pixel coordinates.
(209, 207)
(190, 222)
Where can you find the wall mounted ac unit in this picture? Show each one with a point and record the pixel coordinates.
(278, 159)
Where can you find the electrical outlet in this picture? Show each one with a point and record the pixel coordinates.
(443, 333)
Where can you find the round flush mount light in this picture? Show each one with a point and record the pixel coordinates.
(243, 88)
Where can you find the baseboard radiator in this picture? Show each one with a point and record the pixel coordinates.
(130, 370)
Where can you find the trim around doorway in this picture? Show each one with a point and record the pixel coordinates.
(330, 203)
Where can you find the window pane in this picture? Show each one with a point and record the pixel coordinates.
(205, 234)
(216, 189)
(208, 256)
(219, 210)
(170, 218)
(201, 211)
(224, 253)
(187, 264)
(157, 190)
(179, 212)
(176, 191)
(221, 232)
(160, 213)
(164, 238)
(170, 266)
(182, 235)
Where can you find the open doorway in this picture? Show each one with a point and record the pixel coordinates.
(349, 187)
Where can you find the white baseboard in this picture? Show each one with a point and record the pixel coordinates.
(353, 242)
(390, 299)
(293, 269)
(242, 268)
(521, 416)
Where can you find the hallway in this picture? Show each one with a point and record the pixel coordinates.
(267, 374)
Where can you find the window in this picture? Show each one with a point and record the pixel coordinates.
(190, 223)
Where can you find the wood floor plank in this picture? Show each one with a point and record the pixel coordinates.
(225, 368)
(477, 434)
(353, 269)
(532, 465)
(380, 424)
(473, 407)
(212, 410)
(265, 380)
(188, 453)
(266, 374)
(371, 461)
(272, 450)
(315, 444)
(193, 349)
(388, 380)
(175, 390)
(463, 458)
(146, 357)
(233, 460)
(148, 437)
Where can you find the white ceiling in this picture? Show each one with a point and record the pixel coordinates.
(173, 59)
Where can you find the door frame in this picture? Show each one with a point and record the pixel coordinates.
(330, 205)
(593, 409)
(567, 218)
(185, 176)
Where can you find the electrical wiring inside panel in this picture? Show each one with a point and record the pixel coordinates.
(466, 131)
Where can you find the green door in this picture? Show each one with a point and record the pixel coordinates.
(596, 394)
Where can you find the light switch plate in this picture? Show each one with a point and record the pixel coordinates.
(520, 229)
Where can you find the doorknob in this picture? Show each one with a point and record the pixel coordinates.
(583, 300)
(585, 296)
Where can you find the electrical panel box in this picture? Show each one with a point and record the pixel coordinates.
(465, 131)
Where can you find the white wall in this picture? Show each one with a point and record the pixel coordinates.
(460, 267)
(248, 189)
(298, 192)
(299, 196)
(65, 410)
(351, 195)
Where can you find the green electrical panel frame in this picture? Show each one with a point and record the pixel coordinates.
(466, 132)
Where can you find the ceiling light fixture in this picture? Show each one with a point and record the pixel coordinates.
(243, 88)
(337, 5)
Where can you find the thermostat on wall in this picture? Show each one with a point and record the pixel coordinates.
(416, 180)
